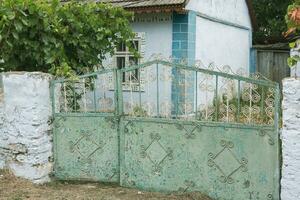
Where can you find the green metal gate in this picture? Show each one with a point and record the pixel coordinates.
(170, 127)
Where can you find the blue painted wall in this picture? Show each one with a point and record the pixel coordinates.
(253, 57)
(183, 48)
(184, 36)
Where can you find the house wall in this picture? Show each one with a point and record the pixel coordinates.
(234, 11)
(157, 39)
(222, 45)
(158, 33)
(223, 38)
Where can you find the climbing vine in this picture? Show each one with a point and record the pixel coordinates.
(64, 39)
(293, 22)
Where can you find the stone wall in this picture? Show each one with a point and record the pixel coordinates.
(25, 111)
(295, 70)
(290, 183)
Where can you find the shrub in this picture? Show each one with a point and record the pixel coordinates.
(61, 38)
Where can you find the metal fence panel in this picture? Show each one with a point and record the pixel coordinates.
(224, 162)
(86, 148)
(170, 127)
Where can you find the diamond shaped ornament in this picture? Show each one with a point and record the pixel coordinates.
(156, 153)
(227, 162)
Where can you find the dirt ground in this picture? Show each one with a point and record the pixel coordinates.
(12, 188)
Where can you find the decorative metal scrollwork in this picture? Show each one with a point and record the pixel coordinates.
(264, 133)
(127, 180)
(189, 133)
(85, 146)
(113, 122)
(270, 197)
(188, 185)
(131, 128)
(216, 161)
(157, 159)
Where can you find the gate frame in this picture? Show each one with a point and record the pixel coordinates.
(119, 106)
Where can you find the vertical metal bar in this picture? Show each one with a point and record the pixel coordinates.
(277, 105)
(262, 109)
(140, 85)
(216, 98)
(185, 95)
(196, 101)
(148, 92)
(239, 101)
(131, 92)
(74, 96)
(276, 136)
(177, 92)
(250, 104)
(95, 103)
(65, 97)
(120, 92)
(157, 90)
(84, 95)
(116, 89)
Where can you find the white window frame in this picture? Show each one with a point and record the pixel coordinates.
(134, 85)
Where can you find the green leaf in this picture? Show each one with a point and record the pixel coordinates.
(63, 40)
(292, 45)
(15, 35)
(18, 26)
(291, 61)
(11, 15)
(9, 43)
(24, 22)
(50, 60)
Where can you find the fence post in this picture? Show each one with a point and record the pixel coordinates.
(118, 92)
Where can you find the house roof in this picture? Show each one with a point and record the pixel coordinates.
(276, 46)
(149, 5)
(164, 5)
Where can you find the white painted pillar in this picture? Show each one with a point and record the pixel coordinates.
(290, 182)
(25, 137)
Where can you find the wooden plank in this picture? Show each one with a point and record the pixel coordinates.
(281, 68)
(264, 62)
(273, 64)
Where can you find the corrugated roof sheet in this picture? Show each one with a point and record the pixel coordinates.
(143, 3)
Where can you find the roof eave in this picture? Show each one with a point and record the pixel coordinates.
(157, 9)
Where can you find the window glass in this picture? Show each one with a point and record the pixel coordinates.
(121, 47)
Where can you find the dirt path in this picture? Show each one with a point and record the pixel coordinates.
(12, 188)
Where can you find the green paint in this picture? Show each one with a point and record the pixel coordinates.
(225, 163)
(224, 160)
(86, 148)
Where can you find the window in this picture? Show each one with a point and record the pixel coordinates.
(125, 58)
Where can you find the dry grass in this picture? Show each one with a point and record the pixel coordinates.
(12, 188)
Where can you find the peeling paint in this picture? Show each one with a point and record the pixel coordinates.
(25, 109)
(290, 181)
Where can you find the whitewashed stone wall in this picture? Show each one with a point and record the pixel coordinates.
(290, 183)
(25, 134)
(295, 71)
